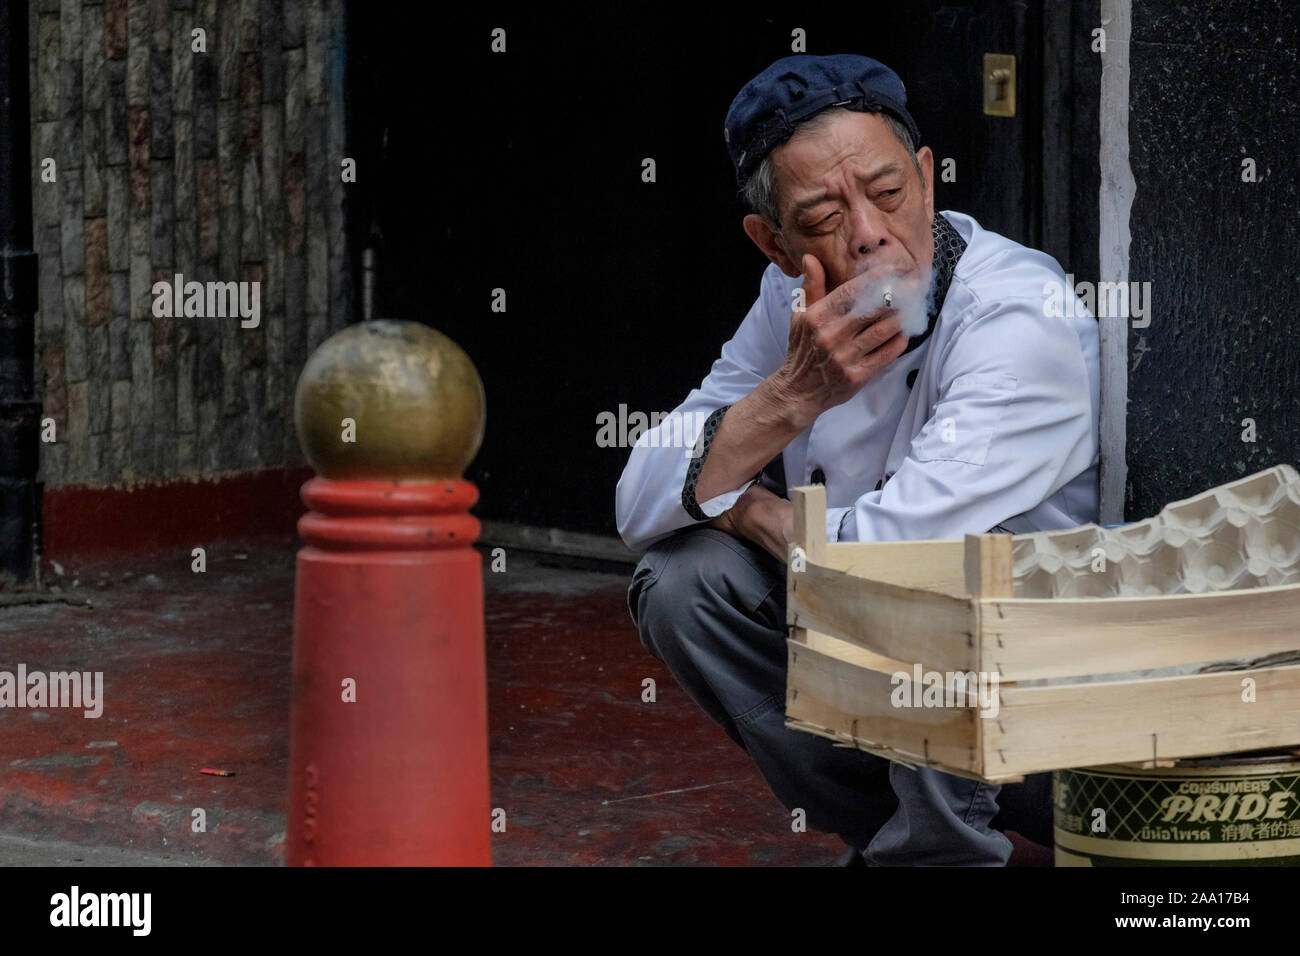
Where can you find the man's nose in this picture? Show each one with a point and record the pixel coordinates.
(868, 230)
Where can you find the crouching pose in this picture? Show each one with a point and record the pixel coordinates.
(904, 359)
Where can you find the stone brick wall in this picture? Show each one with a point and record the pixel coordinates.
(222, 166)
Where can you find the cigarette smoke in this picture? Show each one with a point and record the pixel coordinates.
(912, 297)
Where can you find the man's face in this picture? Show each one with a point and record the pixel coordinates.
(850, 195)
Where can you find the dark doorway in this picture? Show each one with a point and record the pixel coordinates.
(522, 171)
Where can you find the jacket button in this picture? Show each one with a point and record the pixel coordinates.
(818, 477)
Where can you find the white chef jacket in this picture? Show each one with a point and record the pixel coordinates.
(999, 428)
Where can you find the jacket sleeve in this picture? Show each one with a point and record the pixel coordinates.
(1013, 423)
(649, 501)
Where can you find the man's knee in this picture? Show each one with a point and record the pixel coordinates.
(686, 574)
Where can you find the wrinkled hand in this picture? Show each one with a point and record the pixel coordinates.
(833, 352)
(761, 517)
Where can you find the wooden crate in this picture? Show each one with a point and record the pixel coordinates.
(862, 612)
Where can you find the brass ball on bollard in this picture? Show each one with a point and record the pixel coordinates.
(389, 400)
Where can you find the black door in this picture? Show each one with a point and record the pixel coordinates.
(522, 171)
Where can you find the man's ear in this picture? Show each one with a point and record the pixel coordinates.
(767, 239)
(925, 157)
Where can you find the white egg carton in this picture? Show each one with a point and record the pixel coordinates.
(1244, 534)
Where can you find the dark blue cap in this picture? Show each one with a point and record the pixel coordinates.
(764, 113)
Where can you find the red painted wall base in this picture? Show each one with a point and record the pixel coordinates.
(87, 524)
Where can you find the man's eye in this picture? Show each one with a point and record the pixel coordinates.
(828, 219)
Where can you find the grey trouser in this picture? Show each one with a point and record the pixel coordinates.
(712, 608)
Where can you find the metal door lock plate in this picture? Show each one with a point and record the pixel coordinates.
(999, 84)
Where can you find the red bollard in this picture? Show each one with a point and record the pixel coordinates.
(388, 739)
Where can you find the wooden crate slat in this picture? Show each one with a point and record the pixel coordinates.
(862, 691)
(820, 719)
(810, 521)
(821, 686)
(987, 565)
(847, 652)
(1082, 725)
(904, 624)
(1067, 637)
(928, 565)
(832, 718)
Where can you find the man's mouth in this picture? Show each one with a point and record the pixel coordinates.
(905, 292)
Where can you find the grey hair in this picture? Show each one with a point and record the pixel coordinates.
(759, 191)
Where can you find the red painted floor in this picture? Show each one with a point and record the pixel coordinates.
(196, 675)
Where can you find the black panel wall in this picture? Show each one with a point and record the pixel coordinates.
(1213, 84)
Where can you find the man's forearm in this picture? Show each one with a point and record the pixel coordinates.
(752, 432)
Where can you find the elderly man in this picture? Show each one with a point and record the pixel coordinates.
(982, 417)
